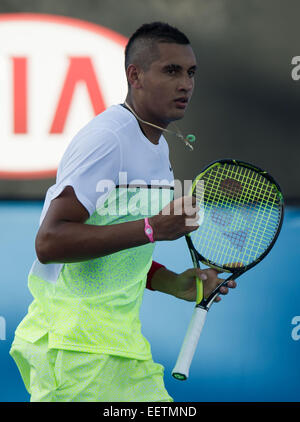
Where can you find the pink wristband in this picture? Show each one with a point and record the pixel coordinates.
(148, 230)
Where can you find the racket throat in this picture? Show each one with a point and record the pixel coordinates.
(203, 305)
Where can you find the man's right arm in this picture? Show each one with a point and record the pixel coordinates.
(63, 236)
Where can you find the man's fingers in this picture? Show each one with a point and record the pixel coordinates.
(230, 284)
(191, 223)
(223, 290)
(200, 274)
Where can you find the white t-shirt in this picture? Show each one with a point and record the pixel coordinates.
(111, 150)
(108, 148)
(93, 305)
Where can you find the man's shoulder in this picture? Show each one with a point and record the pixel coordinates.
(114, 118)
(105, 127)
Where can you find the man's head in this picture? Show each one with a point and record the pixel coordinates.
(160, 66)
(141, 48)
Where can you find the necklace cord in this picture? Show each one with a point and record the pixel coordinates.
(178, 133)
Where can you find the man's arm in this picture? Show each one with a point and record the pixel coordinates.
(183, 286)
(63, 236)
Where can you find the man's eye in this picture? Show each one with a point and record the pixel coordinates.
(171, 70)
(191, 73)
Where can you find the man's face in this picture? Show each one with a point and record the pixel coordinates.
(167, 86)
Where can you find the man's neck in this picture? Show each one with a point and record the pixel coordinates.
(153, 134)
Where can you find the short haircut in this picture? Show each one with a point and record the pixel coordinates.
(140, 48)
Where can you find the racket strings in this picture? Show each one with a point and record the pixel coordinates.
(248, 208)
(252, 192)
(260, 183)
(241, 215)
(236, 235)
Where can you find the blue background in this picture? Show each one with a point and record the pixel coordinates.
(246, 351)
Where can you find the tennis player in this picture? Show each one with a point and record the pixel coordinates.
(81, 339)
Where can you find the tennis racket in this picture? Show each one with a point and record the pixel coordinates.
(243, 210)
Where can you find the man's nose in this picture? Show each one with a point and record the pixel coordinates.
(186, 84)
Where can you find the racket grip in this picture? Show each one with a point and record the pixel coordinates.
(189, 345)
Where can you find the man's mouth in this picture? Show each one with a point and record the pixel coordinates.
(181, 102)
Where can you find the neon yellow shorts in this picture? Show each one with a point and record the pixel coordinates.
(56, 375)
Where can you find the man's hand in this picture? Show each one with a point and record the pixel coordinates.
(183, 286)
(186, 283)
(177, 219)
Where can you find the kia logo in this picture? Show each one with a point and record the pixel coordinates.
(56, 74)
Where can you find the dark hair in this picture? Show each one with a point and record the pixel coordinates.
(149, 33)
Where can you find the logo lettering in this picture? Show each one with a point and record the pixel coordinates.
(81, 70)
(53, 82)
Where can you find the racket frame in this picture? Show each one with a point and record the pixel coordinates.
(181, 369)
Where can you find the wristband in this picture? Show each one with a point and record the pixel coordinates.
(148, 230)
(154, 267)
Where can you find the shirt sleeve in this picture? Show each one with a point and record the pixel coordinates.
(91, 165)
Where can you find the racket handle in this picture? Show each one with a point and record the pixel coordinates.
(189, 345)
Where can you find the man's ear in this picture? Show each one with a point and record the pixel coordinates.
(134, 76)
